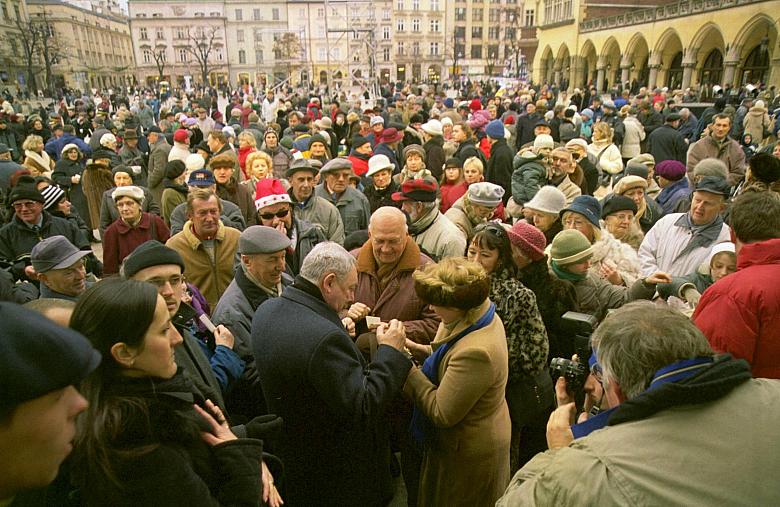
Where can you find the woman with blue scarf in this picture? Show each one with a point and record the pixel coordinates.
(461, 420)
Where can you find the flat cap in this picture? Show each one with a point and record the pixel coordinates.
(55, 252)
(486, 194)
(300, 164)
(259, 239)
(713, 185)
(133, 192)
(337, 164)
(38, 356)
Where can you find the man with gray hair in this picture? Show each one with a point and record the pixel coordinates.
(334, 443)
(660, 377)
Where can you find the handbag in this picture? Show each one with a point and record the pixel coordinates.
(529, 396)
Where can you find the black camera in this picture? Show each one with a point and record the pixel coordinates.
(575, 373)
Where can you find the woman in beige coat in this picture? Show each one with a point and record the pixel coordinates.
(461, 417)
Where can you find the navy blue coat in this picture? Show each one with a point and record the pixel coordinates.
(334, 444)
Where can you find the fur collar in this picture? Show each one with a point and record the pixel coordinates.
(409, 261)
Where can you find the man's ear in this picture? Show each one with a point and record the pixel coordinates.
(123, 354)
(327, 282)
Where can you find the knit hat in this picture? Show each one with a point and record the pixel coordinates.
(627, 183)
(107, 139)
(587, 113)
(570, 247)
(270, 131)
(726, 246)
(203, 146)
(175, 168)
(614, 203)
(577, 141)
(270, 191)
(226, 159)
(193, 162)
(765, 168)
(229, 131)
(318, 138)
(432, 127)
(337, 164)
(672, 170)
(548, 199)
(133, 192)
(495, 129)
(448, 102)
(22, 191)
(711, 167)
(358, 141)
(379, 163)
(544, 141)
(57, 357)
(414, 148)
(181, 136)
(475, 105)
(376, 120)
(645, 158)
(528, 239)
(587, 206)
(453, 162)
(259, 239)
(55, 252)
(68, 147)
(148, 254)
(51, 196)
(485, 194)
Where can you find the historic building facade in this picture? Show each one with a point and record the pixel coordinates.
(13, 17)
(687, 43)
(419, 28)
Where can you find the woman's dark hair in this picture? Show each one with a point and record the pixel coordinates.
(493, 236)
(111, 311)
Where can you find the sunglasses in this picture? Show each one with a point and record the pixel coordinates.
(279, 214)
(491, 227)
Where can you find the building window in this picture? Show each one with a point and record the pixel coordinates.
(159, 33)
(139, 15)
(434, 25)
(320, 13)
(200, 14)
(493, 33)
(214, 14)
(476, 32)
(385, 54)
(460, 32)
(239, 36)
(157, 15)
(434, 49)
(275, 17)
(256, 15)
(399, 5)
(509, 33)
(258, 35)
(354, 12)
(182, 55)
(180, 34)
(322, 54)
(415, 25)
(476, 51)
(476, 15)
(435, 5)
(356, 58)
(400, 48)
(147, 56)
(386, 33)
(493, 52)
(494, 15)
(337, 53)
(460, 14)
(239, 15)
(399, 26)
(142, 34)
(241, 56)
(386, 14)
(416, 48)
(415, 5)
(529, 17)
(355, 35)
(258, 56)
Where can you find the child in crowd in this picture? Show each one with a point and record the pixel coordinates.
(689, 288)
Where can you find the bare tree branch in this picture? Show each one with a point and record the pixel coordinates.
(159, 60)
(200, 47)
(287, 49)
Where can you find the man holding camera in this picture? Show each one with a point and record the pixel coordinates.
(686, 427)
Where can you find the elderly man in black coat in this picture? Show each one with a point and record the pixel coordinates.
(333, 443)
(666, 142)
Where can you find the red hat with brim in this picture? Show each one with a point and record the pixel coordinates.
(420, 190)
(391, 135)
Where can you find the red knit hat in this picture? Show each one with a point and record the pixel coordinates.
(475, 105)
(529, 239)
(181, 136)
(270, 191)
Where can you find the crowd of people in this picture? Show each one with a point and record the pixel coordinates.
(310, 300)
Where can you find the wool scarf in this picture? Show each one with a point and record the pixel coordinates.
(566, 275)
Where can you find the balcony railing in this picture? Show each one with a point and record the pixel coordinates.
(663, 12)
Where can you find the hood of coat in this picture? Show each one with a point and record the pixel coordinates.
(757, 111)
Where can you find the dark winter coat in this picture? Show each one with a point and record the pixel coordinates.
(434, 156)
(332, 402)
(667, 143)
(242, 196)
(64, 170)
(378, 198)
(499, 167)
(528, 176)
(120, 239)
(468, 149)
(177, 467)
(670, 196)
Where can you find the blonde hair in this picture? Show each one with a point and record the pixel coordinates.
(455, 282)
(249, 137)
(474, 162)
(602, 131)
(32, 142)
(250, 160)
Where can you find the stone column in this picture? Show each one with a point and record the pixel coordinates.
(687, 74)
(625, 73)
(557, 76)
(729, 71)
(653, 77)
(575, 72)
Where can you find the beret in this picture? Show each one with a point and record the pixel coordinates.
(38, 356)
(259, 239)
(133, 192)
(485, 193)
(614, 203)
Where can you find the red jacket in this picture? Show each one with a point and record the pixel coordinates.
(359, 166)
(740, 313)
(451, 193)
(120, 239)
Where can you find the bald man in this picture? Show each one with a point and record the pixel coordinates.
(385, 264)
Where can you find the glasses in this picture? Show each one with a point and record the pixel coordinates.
(492, 228)
(597, 372)
(175, 281)
(25, 204)
(279, 214)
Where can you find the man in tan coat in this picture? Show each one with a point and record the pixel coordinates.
(207, 246)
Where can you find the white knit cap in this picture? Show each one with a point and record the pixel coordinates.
(107, 138)
(193, 162)
(726, 246)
